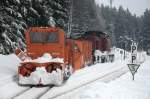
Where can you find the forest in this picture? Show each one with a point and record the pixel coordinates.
(125, 26)
(74, 17)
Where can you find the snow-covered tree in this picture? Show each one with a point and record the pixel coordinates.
(85, 17)
(17, 15)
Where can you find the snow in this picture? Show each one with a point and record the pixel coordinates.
(10, 90)
(51, 22)
(99, 53)
(18, 1)
(38, 91)
(8, 71)
(85, 75)
(45, 58)
(34, 11)
(141, 57)
(8, 67)
(41, 76)
(105, 55)
(121, 88)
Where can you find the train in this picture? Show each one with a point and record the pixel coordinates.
(50, 57)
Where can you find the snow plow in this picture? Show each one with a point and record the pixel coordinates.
(41, 71)
(50, 57)
(43, 61)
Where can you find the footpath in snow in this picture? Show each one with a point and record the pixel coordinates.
(121, 88)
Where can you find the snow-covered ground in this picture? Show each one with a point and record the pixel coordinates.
(88, 74)
(8, 76)
(98, 90)
(121, 88)
(8, 68)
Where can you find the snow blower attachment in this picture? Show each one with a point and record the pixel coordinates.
(41, 71)
(43, 60)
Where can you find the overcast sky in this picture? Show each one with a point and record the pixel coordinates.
(135, 6)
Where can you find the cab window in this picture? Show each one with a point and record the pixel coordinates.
(44, 37)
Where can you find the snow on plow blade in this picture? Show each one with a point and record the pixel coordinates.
(31, 73)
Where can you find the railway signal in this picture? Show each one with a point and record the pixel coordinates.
(133, 66)
(133, 69)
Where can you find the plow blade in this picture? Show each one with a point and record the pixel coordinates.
(50, 73)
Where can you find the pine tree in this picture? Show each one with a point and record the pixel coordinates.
(146, 29)
(17, 15)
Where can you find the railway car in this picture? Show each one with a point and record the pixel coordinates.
(50, 57)
(100, 40)
(101, 46)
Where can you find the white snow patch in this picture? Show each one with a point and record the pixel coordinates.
(8, 71)
(10, 90)
(8, 67)
(45, 58)
(41, 76)
(85, 75)
(121, 88)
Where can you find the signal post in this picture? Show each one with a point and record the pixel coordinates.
(134, 65)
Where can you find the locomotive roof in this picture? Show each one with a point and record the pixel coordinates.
(97, 33)
(89, 33)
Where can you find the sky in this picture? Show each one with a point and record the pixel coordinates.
(135, 6)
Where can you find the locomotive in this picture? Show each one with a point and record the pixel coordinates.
(50, 57)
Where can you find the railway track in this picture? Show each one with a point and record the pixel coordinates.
(106, 78)
(56, 93)
(36, 93)
(8, 79)
(21, 92)
(50, 92)
(11, 89)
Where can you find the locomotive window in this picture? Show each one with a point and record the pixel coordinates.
(44, 37)
(52, 37)
(36, 37)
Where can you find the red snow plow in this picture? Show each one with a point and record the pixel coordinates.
(43, 60)
(50, 57)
